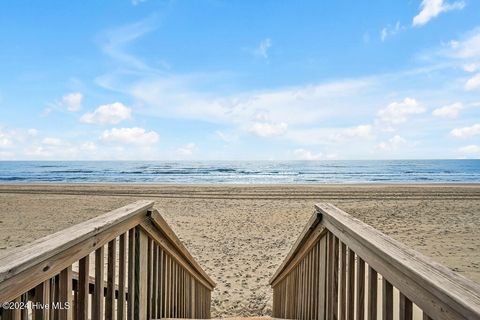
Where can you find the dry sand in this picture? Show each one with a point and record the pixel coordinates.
(240, 234)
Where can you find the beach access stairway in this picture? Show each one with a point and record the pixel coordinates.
(342, 268)
(129, 265)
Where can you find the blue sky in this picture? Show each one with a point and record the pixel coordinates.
(233, 80)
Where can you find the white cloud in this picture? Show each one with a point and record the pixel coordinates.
(467, 48)
(262, 49)
(137, 136)
(466, 132)
(268, 129)
(187, 150)
(432, 8)
(5, 140)
(397, 112)
(471, 67)
(392, 144)
(390, 31)
(32, 132)
(303, 154)
(363, 131)
(52, 141)
(88, 146)
(227, 136)
(72, 101)
(450, 111)
(107, 114)
(473, 83)
(470, 149)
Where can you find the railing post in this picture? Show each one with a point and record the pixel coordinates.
(140, 291)
(322, 288)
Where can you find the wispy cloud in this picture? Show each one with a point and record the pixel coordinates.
(263, 48)
(429, 9)
(136, 136)
(187, 150)
(114, 42)
(450, 111)
(398, 112)
(303, 154)
(466, 132)
(390, 31)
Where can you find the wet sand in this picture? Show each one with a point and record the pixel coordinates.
(240, 234)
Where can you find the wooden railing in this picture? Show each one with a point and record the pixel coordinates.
(341, 268)
(126, 264)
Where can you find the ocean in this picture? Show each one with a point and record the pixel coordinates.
(241, 172)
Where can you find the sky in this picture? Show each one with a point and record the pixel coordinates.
(239, 80)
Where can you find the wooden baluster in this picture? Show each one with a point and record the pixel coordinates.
(149, 277)
(83, 288)
(343, 283)
(52, 297)
(329, 274)
(42, 298)
(360, 306)
(65, 294)
(131, 275)
(161, 293)
(322, 278)
(56, 297)
(372, 294)
(24, 311)
(140, 294)
(387, 305)
(168, 288)
(405, 308)
(335, 278)
(98, 296)
(351, 285)
(315, 281)
(111, 270)
(121, 277)
(155, 282)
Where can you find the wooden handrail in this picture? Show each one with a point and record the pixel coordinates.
(440, 292)
(25, 267)
(327, 267)
(164, 280)
(158, 221)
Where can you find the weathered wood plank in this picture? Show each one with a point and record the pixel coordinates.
(83, 288)
(405, 308)
(98, 296)
(111, 275)
(131, 272)
(372, 294)
(42, 297)
(122, 262)
(65, 294)
(140, 292)
(360, 288)
(351, 285)
(387, 300)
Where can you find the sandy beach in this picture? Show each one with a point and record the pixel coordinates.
(241, 234)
